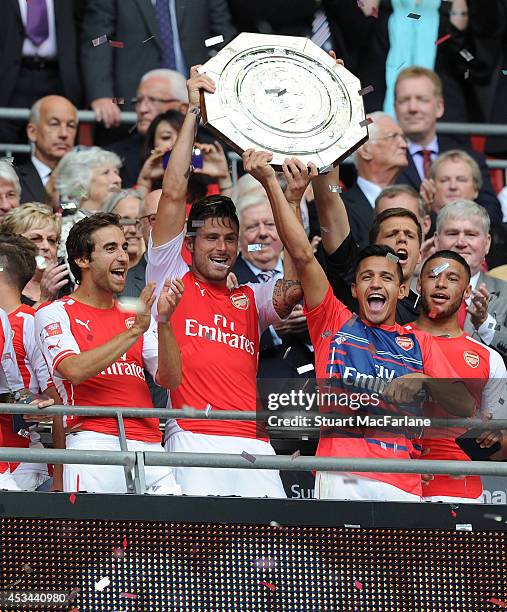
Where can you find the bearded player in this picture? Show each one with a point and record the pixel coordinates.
(444, 284)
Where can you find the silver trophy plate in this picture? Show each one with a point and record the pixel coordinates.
(284, 94)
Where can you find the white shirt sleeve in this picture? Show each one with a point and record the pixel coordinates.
(35, 357)
(264, 301)
(487, 330)
(150, 348)
(54, 336)
(165, 261)
(10, 376)
(494, 395)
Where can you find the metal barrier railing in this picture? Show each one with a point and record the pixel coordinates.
(137, 461)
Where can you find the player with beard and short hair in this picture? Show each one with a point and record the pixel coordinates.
(444, 284)
(366, 352)
(217, 329)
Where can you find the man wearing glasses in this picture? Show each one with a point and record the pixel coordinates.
(378, 163)
(159, 91)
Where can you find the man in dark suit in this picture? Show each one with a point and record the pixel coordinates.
(378, 163)
(463, 227)
(52, 130)
(419, 104)
(38, 56)
(154, 34)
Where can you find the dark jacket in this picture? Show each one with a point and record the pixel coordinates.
(32, 189)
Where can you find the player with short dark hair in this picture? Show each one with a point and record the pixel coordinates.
(368, 352)
(218, 330)
(444, 284)
(97, 353)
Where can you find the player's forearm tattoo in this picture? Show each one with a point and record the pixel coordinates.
(286, 294)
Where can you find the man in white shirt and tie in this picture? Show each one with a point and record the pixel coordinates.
(52, 130)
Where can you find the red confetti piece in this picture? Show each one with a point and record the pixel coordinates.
(433, 313)
(77, 483)
(128, 595)
(118, 552)
(125, 543)
(453, 514)
(116, 43)
(497, 602)
(72, 498)
(268, 585)
(442, 39)
(358, 585)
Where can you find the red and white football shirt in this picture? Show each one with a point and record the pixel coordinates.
(67, 327)
(218, 332)
(10, 377)
(33, 368)
(486, 374)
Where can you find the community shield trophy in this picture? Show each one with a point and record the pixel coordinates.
(284, 94)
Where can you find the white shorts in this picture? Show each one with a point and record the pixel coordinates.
(111, 478)
(338, 485)
(7, 482)
(224, 481)
(454, 500)
(30, 476)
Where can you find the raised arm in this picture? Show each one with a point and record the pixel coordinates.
(333, 218)
(171, 208)
(290, 230)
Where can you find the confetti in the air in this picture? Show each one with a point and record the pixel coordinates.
(129, 304)
(274, 524)
(99, 41)
(118, 552)
(501, 401)
(366, 90)
(393, 258)
(27, 568)
(128, 596)
(72, 498)
(442, 39)
(148, 39)
(255, 247)
(365, 122)
(494, 517)
(102, 583)
(504, 72)
(215, 40)
(116, 43)
(282, 92)
(207, 410)
(464, 527)
(118, 101)
(248, 457)
(453, 513)
(41, 262)
(268, 585)
(296, 454)
(497, 602)
(286, 352)
(466, 55)
(335, 189)
(414, 16)
(358, 585)
(441, 268)
(326, 334)
(272, 91)
(305, 368)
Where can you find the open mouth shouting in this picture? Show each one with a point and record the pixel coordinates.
(402, 255)
(119, 273)
(220, 263)
(376, 302)
(439, 297)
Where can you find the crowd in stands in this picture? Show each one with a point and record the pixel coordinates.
(390, 279)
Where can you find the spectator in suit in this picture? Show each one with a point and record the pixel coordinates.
(38, 56)
(379, 161)
(52, 130)
(159, 91)
(419, 104)
(155, 34)
(404, 196)
(10, 189)
(128, 205)
(136, 280)
(464, 227)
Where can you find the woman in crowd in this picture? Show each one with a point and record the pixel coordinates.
(127, 204)
(38, 223)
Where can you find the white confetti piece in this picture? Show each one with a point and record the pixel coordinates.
(102, 583)
(99, 41)
(439, 269)
(215, 40)
(128, 304)
(335, 189)
(255, 247)
(464, 527)
(207, 410)
(295, 454)
(393, 258)
(306, 368)
(466, 55)
(248, 457)
(41, 262)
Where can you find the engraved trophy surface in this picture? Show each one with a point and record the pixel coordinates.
(284, 94)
